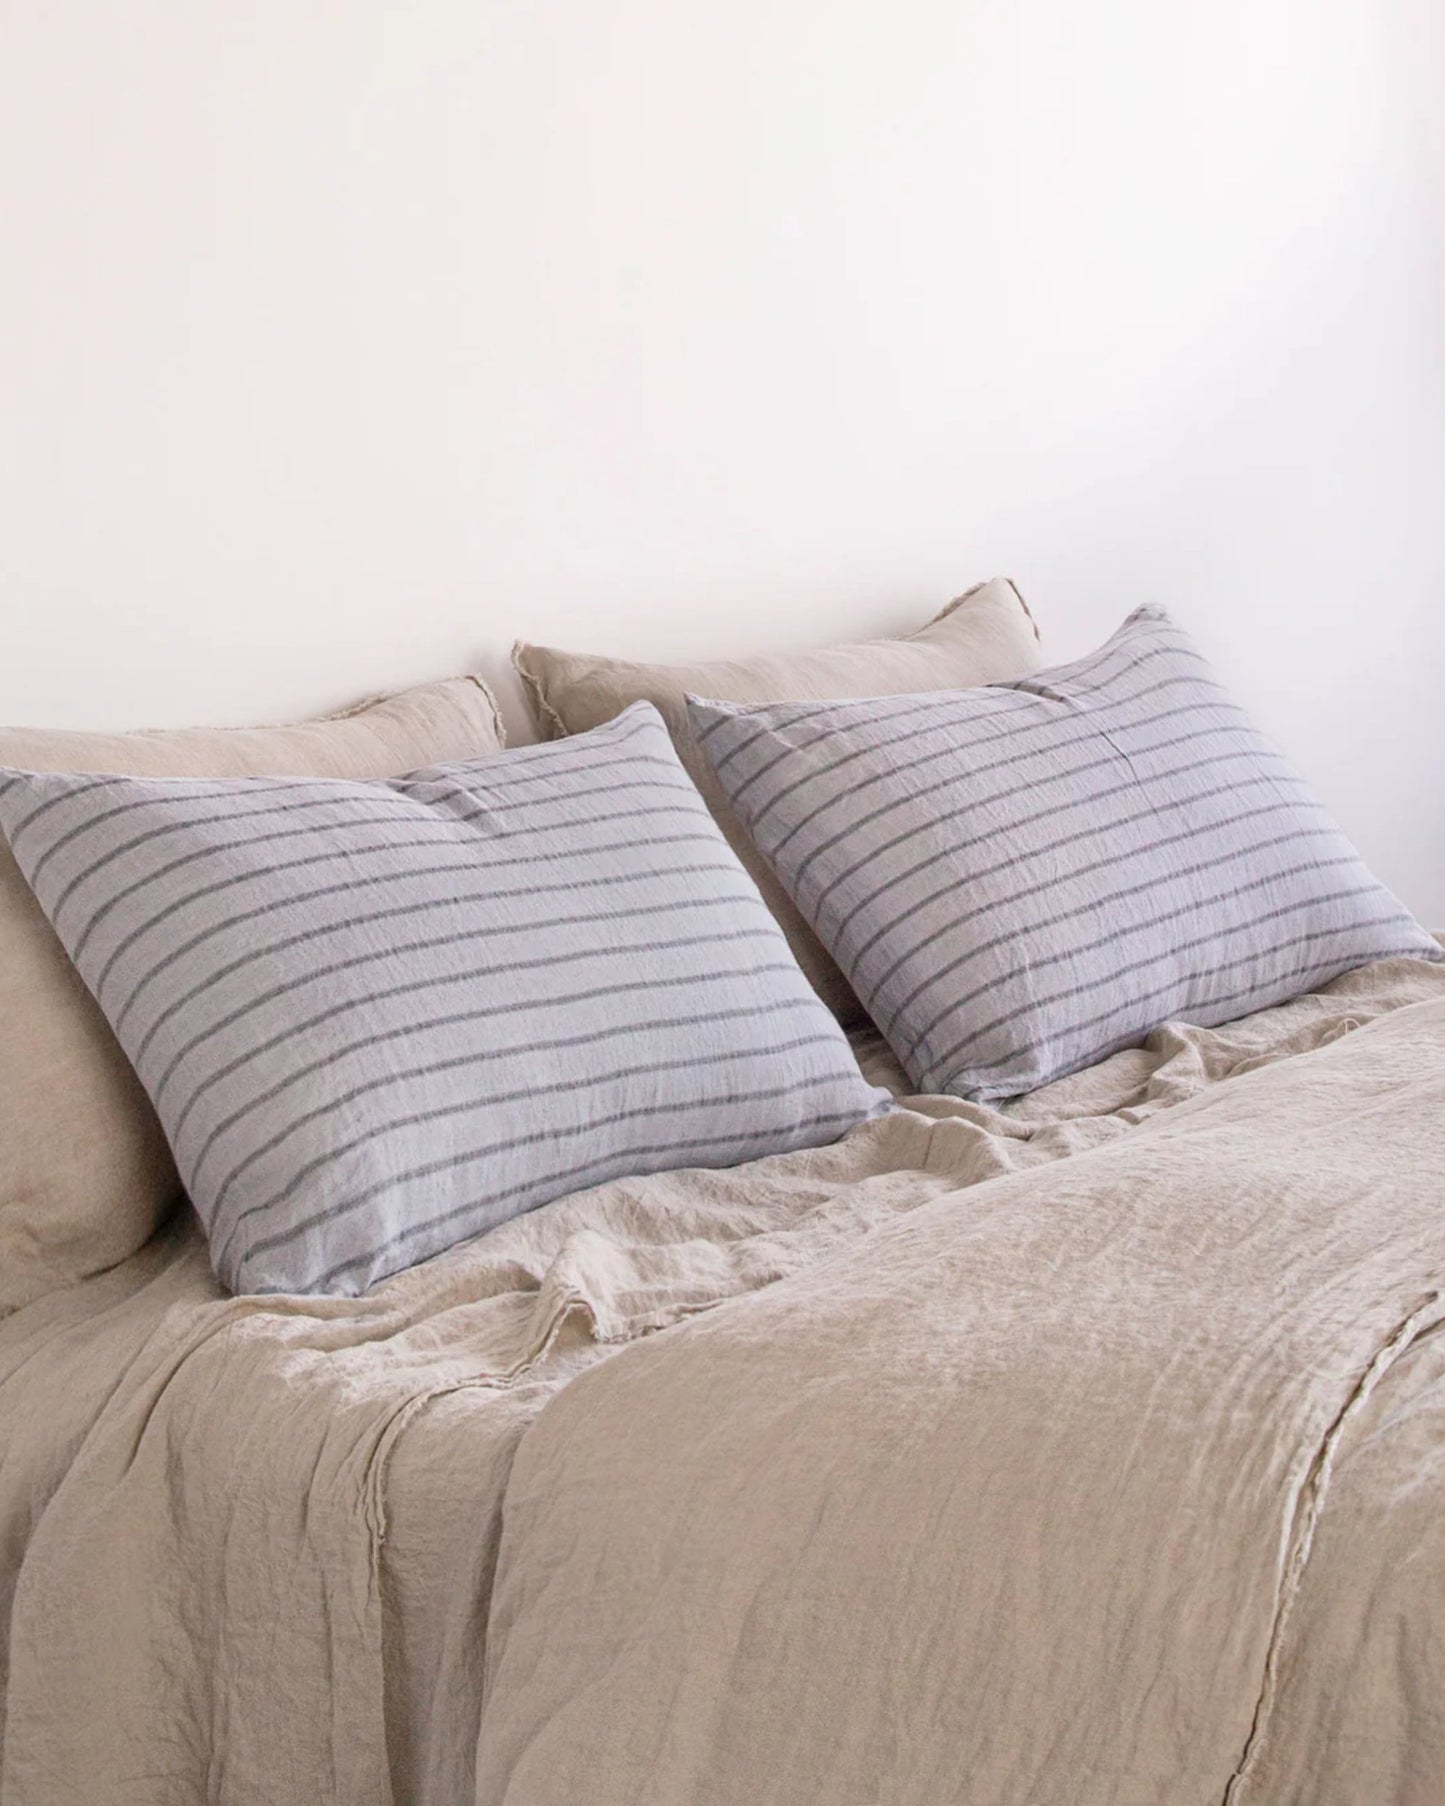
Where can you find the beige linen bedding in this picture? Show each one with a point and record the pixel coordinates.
(1000, 1474)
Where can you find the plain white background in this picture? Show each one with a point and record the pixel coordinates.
(342, 341)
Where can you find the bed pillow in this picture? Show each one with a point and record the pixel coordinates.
(984, 635)
(85, 1176)
(378, 1018)
(1021, 879)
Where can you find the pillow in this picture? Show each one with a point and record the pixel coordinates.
(84, 1173)
(378, 1018)
(1022, 879)
(984, 635)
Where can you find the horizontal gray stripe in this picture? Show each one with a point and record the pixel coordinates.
(906, 707)
(1003, 704)
(401, 1032)
(1324, 973)
(1092, 831)
(166, 791)
(983, 696)
(722, 898)
(1020, 717)
(550, 1136)
(54, 802)
(910, 707)
(166, 800)
(953, 778)
(459, 1062)
(1009, 729)
(559, 1042)
(1193, 907)
(769, 725)
(710, 730)
(333, 793)
(338, 791)
(439, 832)
(1216, 935)
(1073, 802)
(1013, 758)
(486, 933)
(410, 875)
(1160, 877)
(513, 1006)
(622, 1160)
(393, 807)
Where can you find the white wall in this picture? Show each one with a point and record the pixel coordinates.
(343, 340)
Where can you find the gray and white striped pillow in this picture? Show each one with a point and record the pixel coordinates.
(1018, 880)
(378, 1018)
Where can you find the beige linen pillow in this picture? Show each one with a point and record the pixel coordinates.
(85, 1174)
(986, 635)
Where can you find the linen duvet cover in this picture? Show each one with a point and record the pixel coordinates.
(1084, 1450)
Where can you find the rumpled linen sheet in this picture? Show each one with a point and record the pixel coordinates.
(1088, 1450)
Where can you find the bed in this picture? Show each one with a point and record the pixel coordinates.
(1082, 1449)
(856, 1230)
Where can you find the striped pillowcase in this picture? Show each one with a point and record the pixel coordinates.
(1020, 879)
(378, 1018)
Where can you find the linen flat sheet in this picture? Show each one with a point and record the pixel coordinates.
(1032, 1499)
(249, 1547)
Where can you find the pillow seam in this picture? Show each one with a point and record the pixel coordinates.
(546, 716)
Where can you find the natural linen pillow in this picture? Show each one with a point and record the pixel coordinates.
(378, 1018)
(1021, 879)
(85, 1176)
(983, 635)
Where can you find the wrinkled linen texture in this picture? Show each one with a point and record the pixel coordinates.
(1020, 878)
(984, 1455)
(377, 1018)
(1029, 1497)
